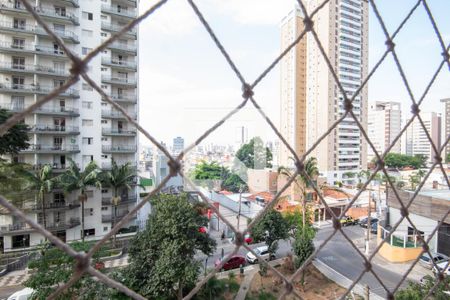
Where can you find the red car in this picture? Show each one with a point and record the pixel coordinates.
(234, 262)
(203, 230)
(248, 239)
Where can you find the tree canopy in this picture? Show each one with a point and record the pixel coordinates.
(214, 172)
(418, 291)
(162, 263)
(16, 138)
(254, 155)
(396, 160)
(271, 228)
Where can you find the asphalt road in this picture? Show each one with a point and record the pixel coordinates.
(7, 291)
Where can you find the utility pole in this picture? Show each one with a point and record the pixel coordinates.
(369, 225)
(239, 211)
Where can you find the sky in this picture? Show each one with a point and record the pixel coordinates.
(186, 85)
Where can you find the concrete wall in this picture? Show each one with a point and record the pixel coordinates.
(248, 209)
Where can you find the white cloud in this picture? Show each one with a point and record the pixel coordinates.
(255, 12)
(175, 17)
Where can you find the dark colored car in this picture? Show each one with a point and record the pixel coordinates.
(363, 222)
(234, 262)
(346, 221)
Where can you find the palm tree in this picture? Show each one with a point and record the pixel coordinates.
(119, 178)
(41, 182)
(363, 174)
(302, 182)
(73, 179)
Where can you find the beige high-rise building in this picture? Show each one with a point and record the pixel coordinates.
(293, 88)
(384, 125)
(446, 129)
(342, 27)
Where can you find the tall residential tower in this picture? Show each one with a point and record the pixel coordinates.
(342, 28)
(77, 124)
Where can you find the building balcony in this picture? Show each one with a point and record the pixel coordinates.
(63, 225)
(8, 47)
(118, 11)
(119, 64)
(55, 149)
(109, 114)
(15, 229)
(117, 132)
(55, 129)
(55, 206)
(55, 111)
(116, 28)
(45, 12)
(66, 35)
(7, 67)
(118, 47)
(31, 89)
(56, 167)
(123, 201)
(119, 81)
(119, 149)
(74, 3)
(132, 99)
(119, 216)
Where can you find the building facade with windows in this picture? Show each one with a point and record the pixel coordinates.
(446, 128)
(77, 124)
(384, 125)
(342, 28)
(417, 141)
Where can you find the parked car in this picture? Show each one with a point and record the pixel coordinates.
(248, 239)
(203, 229)
(427, 261)
(234, 262)
(441, 266)
(347, 221)
(23, 294)
(363, 223)
(261, 251)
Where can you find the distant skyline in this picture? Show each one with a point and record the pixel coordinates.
(186, 84)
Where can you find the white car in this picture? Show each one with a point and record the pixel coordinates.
(262, 252)
(425, 259)
(441, 267)
(23, 294)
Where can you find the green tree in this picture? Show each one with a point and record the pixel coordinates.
(396, 160)
(40, 182)
(55, 267)
(13, 184)
(234, 183)
(254, 155)
(16, 138)
(303, 248)
(302, 182)
(414, 180)
(363, 174)
(162, 257)
(73, 179)
(271, 228)
(214, 172)
(418, 291)
(119, 178)
(448, 158)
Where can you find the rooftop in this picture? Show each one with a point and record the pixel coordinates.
(441, 194)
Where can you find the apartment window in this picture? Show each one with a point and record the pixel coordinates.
(57, 142)
(104, 156)
(89, 232)
(59, 66)
(86, 87)
(18, 43)
(60, 11)
(87, 33)
(87, 15)
(105, 229)
(87, 123)
(19, 23)
(58, 82)
(18, 62)
(59, 28)
(104, 191)
(104, 69)
(20, 241)
(104, 139)
(17, 82)
(17, 102)
(57, 50)
(88, 211)
(104, 121)
(85, 50)
(88, 141)
(103, 17)
(87, 104)
(103, 34)
(58, 198)
(104, 87)
(104, 208)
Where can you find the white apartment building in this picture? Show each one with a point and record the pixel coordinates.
(342, 27)
(383, 126)
(178, 145)
(417, 141)
(77, 124)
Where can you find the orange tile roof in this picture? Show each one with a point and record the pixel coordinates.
(267, 196)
